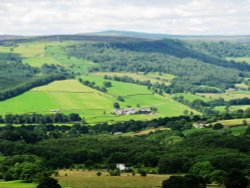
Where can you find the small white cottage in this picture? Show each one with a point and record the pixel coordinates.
(121, 166)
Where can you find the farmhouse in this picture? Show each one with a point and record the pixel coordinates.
(231, 89)
(117, 133)
(201, 126)
(55, 110)
(126, 111)
(132, 111)
(121, 166)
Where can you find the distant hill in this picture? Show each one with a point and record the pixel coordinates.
(239, 38)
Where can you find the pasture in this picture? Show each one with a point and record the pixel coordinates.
(152, 77)
(70, 96)
(16, 184)
(89, 179)
(226, 96)
(239, 59)
(232, 108)
(234, 122)
(67, 96)
(191, 97)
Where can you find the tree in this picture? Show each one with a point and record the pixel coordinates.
(98, 173)
(234, 178)
(120, 98)
(217, 176)
(202, 168)
(48, 183)
(116, 105)
(187, 181)
(244, 122)
(218, 126)
(247, 132)
(107, 84)
(175, 182)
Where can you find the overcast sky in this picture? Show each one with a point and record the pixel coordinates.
(203, 17)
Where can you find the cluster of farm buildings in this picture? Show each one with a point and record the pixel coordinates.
(132, 111)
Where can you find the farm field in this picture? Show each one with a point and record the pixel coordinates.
(140, 95)
(38, 53)
(239, 59)
(232, 108)
(226, 96)
(67, 96)
(70, 96)
(89, 179)
(191, 97)
(152, 77)
(16, 184)
(233, 122)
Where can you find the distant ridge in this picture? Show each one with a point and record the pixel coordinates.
(240, 38)
(127, 35)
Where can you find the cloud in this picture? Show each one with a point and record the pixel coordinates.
(29, 17)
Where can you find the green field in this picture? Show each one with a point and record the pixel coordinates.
(191, 97)
(234, 122)
(226, 96)
(38, 53)
(232, 108)
(67, 96)
(71, 96)
(239, 59)
(89, 179)
(152, 77)
(16, 184)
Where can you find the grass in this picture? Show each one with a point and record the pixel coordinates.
(232, 108)
(146, 131)
(38, 53)
(239, 59)
(235, 130)
(241, 86)
(191, 97)
(234, 122)
(139, 95)
(16, 184)
(89, 179)
(226, 96)
(70, 96)
(152, 77)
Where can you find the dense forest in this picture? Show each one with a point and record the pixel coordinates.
(204, 153)
(223, 49)
(192, 68)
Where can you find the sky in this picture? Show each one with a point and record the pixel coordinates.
(184, 17)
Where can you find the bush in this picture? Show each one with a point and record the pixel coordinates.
(115, 172)
(218, 126)
(48, 183)
(98, 173)
(143, 173)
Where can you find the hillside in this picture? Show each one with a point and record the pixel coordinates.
(149, 73)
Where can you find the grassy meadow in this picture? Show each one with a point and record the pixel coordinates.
(70, 96)
(191, 97)
(152, 77)
(239, 59)
(16, 184)
(89, 179)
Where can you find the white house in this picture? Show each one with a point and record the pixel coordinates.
(121, 166)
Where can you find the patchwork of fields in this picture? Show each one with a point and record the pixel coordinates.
(70, 96)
